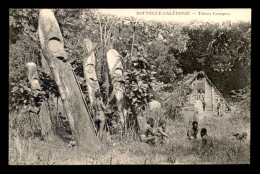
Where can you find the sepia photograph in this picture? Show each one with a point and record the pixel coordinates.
(129, 86)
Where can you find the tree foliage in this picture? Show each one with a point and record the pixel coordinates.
(217, 49)
(151, 51)
(138, 80)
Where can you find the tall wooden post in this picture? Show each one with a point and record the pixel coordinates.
(44, 115)
(115, 67)
(89, 63)
(54, 102)
(53, 50)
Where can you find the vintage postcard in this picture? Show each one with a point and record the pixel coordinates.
(129, 86)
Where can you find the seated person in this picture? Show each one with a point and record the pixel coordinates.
(207, 143)
(147, 134)
(161, 130)
(192, 133)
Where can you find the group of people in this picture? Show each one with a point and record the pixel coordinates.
(152, 135)
(207, 142)
(220, 104)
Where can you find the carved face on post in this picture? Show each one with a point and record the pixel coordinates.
(89, 61)
(115, 67)
(89, 69)
(70, 93)
(52, 45)
(50, 37)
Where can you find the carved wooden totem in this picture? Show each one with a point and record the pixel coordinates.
(115, 67)
(89, 63)
(44, 115)
(54, 103)
(53, 51)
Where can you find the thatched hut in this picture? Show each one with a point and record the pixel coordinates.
(199, 81)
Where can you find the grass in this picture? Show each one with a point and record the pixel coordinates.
(227, 150)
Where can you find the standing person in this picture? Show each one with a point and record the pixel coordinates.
(220, 107)
(207, 143)
(100, 118)
(201, 97)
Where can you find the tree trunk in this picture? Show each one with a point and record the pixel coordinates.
(53, 50)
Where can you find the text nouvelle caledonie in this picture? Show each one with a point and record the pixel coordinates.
(178, 13)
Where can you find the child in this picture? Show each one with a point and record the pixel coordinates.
(220, 107)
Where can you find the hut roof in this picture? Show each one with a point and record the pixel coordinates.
(186, 81)
(191, 77)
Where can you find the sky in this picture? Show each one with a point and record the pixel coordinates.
(184, 15)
